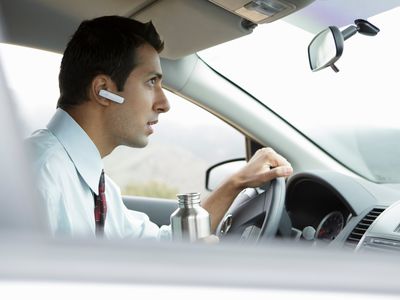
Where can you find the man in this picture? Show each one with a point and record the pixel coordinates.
(110, 95)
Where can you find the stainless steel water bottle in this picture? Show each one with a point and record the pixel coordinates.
(190, 221)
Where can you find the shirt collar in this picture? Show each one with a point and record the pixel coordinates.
(80, 148)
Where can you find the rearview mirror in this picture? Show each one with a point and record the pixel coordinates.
(325, 49)
(327, 46)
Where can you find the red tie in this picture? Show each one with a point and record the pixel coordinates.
(100, 207)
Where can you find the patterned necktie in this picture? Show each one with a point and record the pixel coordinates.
(100, 207)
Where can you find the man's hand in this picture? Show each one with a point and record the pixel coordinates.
(210, 240)
(264, 166)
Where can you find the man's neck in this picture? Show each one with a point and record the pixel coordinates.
(91, 121)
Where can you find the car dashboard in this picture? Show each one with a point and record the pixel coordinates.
(332, 209)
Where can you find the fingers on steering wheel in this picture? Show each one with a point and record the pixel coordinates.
(282, 171)
(273, 159)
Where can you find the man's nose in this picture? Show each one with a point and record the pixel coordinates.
(162, 103)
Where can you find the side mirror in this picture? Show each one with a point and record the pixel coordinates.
(327, 46)
(217, 173)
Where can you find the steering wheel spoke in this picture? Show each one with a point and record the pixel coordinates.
(255, 214)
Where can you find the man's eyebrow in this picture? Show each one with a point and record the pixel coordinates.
(158, 75)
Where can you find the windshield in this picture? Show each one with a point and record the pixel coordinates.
(352, 114)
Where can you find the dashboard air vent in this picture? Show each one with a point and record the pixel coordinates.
(358, 232)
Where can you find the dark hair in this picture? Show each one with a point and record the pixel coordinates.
(105, 45)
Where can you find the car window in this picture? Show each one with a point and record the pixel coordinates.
(32, 79)
(187, 139)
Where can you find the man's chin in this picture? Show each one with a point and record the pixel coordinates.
(139, 143)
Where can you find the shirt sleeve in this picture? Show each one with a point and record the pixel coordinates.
(141, 227)
(133, 224)
(165, 233)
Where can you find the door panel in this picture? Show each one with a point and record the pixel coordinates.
(158, 210)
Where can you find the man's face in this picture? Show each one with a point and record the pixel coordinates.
(132, 122)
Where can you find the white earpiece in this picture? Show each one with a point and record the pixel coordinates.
(111, 96)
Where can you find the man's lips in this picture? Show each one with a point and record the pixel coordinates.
(149, 124)
(152, 122)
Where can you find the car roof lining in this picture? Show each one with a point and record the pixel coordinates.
(48, 24)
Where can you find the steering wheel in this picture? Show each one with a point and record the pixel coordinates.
(255, 214)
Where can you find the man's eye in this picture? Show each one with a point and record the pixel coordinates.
(153, 81)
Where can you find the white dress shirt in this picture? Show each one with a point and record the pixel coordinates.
(67, 169)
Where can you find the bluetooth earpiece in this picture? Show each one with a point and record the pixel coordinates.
(111, 96)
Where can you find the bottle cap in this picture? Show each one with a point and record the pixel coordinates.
(189, 198)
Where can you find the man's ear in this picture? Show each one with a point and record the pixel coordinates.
(101, 82)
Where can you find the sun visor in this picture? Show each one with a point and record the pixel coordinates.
(200, 24)
(196, 25)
